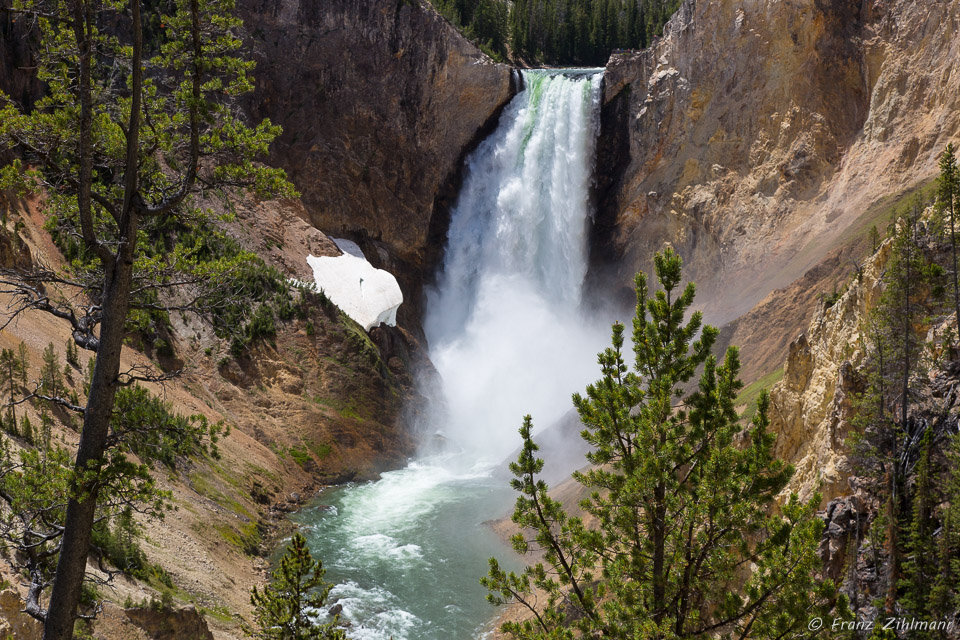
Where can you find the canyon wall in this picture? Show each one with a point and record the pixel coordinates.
(379, 101)
(811, 406)
(17, 76)
(754, 136)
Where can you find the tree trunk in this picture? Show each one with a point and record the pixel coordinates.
(115, 305)
(658, 537)
(72, 563)
(956, 275)
(893, 574)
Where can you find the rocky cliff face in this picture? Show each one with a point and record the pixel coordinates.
(810, 407)
(753, 135)
(379, 100)
(17, 76)
(324, 402)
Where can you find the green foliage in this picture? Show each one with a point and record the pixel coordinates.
(886, 444)
(13, 382)
(140, 123)
(482, 21)
(581, 32)
(26, 430)
(282, 609)
(246, 537)
(36, 486)
(912, 288)
(944, 596)
(51, 374)
(749, 395)
(182, 249)
(301, 456)
(145, 426)
(947, 202)
(920, 563)
(73, 355)
(897, 445)
(117, 543)
(236, 291)
(681, 507)
(833, 298)
(584, 31)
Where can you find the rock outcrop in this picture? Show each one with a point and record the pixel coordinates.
(379, 101)
(170, 624)
(810, 407)
(753, 135)
(13, 622)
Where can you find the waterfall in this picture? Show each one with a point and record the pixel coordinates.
(509, 337)
(503, 322)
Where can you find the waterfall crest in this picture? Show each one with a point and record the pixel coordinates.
(504, 323)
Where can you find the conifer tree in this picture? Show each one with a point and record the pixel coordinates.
(26, 429)
(73, 355)
(51, 375)
(948, 200)
(13, 370)
(683, 510)
(140, 120)
(921, 553)
(284, 608)
(944, 595)
(888, 444)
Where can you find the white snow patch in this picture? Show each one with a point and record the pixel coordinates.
(366, 294)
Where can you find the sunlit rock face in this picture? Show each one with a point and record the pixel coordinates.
(753, 135)
(369, 295)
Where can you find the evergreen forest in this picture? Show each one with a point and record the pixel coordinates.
(559, 32)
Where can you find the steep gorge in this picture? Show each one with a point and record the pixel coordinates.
(757, 138)
(754, 136)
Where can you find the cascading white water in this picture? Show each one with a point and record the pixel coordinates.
(504, 323)
(508, 337)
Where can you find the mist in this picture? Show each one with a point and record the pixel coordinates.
(506, 328)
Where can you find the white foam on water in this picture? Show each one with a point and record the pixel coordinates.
(373, 613)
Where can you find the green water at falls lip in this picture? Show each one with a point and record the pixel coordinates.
(406, 553)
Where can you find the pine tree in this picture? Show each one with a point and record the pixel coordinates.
(921, 553)
(51, 374)
(12, 373)
(944, 596)
(948, 195)
(283, 609)
(889, 444)
(26, 429)
(73, 355)
(581, 31)
(139, 123)
(681, 508)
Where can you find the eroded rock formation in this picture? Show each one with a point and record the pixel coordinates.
(758, 133)
(379, 100)
(810, 407)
